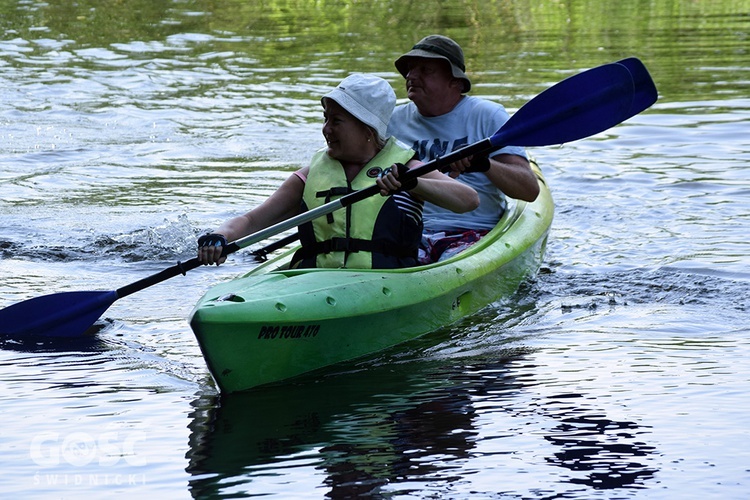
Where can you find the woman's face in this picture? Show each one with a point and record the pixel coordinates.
(348, 139)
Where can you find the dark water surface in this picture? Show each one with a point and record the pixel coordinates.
(128, 128)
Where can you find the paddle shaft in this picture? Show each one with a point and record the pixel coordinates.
(170, 272)
(184, 267)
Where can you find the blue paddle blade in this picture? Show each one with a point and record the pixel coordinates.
(645, 89)
(67, 314)
(577, 107)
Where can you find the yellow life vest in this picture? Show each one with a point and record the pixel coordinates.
(372, 233)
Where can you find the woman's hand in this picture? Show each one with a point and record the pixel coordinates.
(389, 182)
(210, 247)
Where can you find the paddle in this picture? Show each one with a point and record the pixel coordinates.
(645, 89)
(582, 105)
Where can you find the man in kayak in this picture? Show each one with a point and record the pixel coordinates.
(440, 119)
(378, 232)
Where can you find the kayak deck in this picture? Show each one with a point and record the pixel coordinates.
(273, 323)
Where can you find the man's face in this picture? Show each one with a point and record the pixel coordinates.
(429, 80)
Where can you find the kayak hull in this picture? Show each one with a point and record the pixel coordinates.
(274, 324)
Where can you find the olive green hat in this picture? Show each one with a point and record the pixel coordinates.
(437, 47)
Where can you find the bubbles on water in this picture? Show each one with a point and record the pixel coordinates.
(172, 238)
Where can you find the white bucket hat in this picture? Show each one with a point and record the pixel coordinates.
(368, 98)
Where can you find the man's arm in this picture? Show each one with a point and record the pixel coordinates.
(512, 174)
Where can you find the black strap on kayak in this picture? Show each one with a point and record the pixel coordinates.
(350, 245)
(261, 254)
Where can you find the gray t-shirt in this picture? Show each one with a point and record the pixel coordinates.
(472, 120)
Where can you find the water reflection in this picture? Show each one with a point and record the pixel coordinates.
(385, 429)
(87, 343)
(608, 452)
(364, 430)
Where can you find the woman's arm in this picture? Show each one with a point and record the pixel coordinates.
(281, 205)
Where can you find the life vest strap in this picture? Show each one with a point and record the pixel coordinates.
(329, 193)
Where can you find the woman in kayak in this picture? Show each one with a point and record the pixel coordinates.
(377, 232)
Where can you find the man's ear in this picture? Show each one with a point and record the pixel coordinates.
(457, 82)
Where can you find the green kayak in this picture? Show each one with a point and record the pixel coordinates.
(274, 323)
